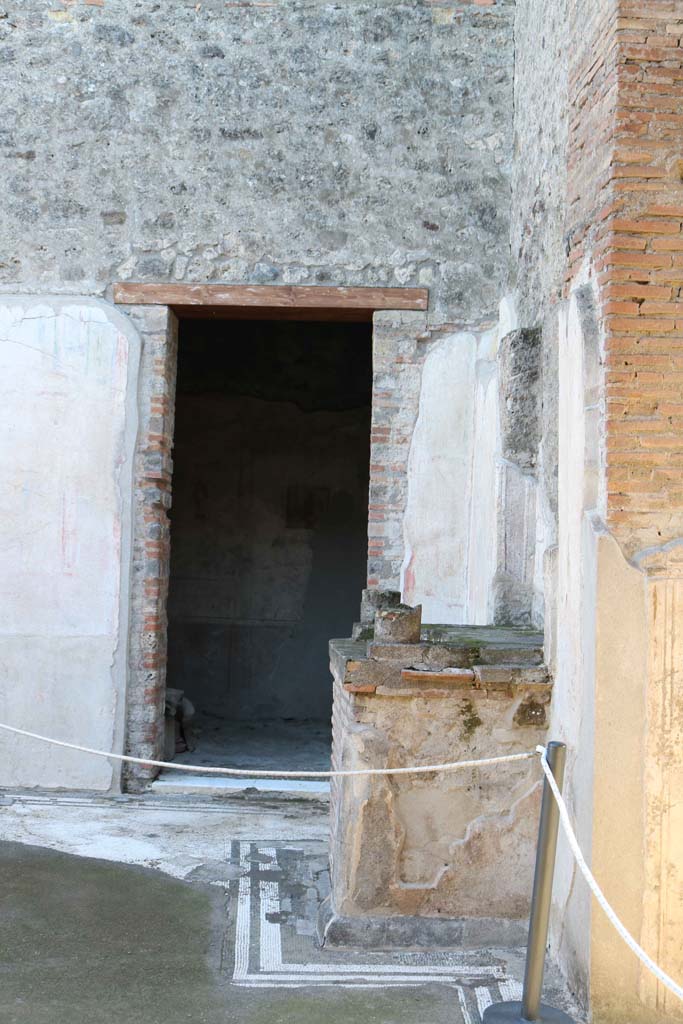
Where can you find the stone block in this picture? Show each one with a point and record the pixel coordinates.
(428, 656)
(449, 679)
(491, 677)
(520, 396)
(401, 624)
(374, 600)
(449, 847)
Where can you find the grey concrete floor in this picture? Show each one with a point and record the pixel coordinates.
(273, 745)
(84, 940)
(302, 746)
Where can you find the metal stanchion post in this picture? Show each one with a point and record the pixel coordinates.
(531, 1008)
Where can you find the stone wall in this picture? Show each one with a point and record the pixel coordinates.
(539, 174)
(292, 142)
(537, 249)
(515, 597)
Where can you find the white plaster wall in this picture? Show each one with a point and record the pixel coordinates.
(68, 379)
(472, 518)
(572, 717)
(614, 704)
(450, 521)
(580, 531)
(483, 522)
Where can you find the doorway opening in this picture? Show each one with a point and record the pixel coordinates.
(268, 535)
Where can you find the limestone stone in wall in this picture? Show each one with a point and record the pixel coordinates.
(398, 625)
(373, 600)
(513, 582)
(519, 368)
(520, 403)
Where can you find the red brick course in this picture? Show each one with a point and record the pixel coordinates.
(151, 540)
(626, 208)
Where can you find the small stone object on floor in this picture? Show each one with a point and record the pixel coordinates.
(179, 712)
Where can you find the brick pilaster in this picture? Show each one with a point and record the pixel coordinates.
(158, 328)
(626, 208)
(397, 374)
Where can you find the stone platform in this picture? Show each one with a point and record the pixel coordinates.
(450, 852)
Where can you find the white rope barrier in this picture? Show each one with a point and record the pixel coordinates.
(595, 888)
(263, 774)
(485, 762)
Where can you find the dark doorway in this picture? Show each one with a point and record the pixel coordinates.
(269, 531)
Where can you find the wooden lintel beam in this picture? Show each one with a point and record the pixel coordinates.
(290, 297)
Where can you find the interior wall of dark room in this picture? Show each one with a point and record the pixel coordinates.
(269, 517)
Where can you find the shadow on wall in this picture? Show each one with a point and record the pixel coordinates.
(269, 534)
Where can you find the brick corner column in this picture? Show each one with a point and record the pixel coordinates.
(152, 477)
(397, 374)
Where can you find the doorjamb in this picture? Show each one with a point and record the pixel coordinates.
(155, 309)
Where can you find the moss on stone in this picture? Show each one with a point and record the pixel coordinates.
(470, 719)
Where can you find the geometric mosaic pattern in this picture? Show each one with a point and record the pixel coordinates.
(271, 951)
